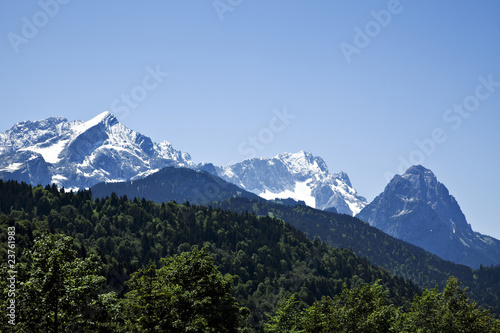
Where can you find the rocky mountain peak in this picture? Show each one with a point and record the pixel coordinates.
(106, 119)
(300, 176)
(420, 176)
(342, 175)
(303, 163)
(417, 208)
(78, 154)
(417, 170)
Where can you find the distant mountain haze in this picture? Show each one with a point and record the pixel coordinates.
(175, 184)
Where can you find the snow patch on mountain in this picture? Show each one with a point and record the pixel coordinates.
(12, 167)
(300, 176)
(301, 192)
(51, 153)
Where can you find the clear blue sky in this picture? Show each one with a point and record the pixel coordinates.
(363, 81)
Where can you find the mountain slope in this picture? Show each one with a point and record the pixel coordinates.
(300, 176)
(398, 257)
(416, 208)
(175, 184)
(77, 154)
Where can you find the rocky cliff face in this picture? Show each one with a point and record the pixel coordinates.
(416, 208)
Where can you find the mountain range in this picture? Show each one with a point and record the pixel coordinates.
(103, 154)
(77, 155)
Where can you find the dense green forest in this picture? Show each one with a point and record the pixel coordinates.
(398, 257)
(251, 264)
(341, 231)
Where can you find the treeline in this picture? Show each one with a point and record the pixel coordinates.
(400, 258)
(268, 258)
(342, 231)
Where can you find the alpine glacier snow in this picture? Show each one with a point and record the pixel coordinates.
(300, 176)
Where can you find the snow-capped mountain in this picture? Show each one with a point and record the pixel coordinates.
(300, 176)
(78, 154)
(416, 208)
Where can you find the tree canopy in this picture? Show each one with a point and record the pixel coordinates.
(187, 294)
(365, 309)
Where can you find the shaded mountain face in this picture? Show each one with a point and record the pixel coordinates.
(416, 208)
(175, 184)
(77, 154)
(300, 176)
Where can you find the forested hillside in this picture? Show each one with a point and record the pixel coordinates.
(399, 257)
(118, 238)
(271, 258)
(340, 230)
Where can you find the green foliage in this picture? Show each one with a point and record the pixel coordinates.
(149, 300)
(271, 258)
(449, 311)
(116, 237)
(187, 294)
(57, 289)
(365, 310)
(398, 257)
(288, 317)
